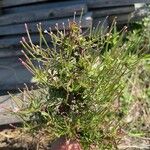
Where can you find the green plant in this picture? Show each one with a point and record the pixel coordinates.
(80, 81)
(140, 32)
(137, 87)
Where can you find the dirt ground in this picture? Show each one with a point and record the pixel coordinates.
(13, 139)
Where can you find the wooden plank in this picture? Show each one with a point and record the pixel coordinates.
(112, 11)
(6, 106)
(13, 3)
(6, 119)
(9, 105)
(14, 42)
(16, 86)
(10, 52)
(110, 3)
(0, 7)
(10, 3)
(20, 29)
(39, 6)
(43, 14)
(13, 74)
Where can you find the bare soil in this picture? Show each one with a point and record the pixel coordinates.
(14, 139)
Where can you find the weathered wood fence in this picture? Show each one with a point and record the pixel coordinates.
(14, 13)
